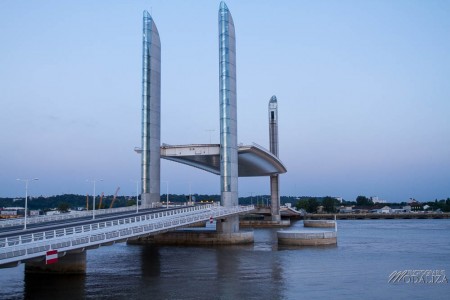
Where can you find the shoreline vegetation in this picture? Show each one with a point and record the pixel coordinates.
(377, 216)
(314, 207)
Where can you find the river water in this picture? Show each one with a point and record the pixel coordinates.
(368, 251)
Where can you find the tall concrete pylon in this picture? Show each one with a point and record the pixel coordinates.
(228, 109)
(228, 116)
(151, 112)
(273, 140)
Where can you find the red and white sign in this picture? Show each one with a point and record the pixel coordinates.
(51, 257)
(210, 220)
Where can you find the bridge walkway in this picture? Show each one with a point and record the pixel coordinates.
(21, 248)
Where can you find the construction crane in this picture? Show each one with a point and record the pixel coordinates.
(115, 196)
(100, 202)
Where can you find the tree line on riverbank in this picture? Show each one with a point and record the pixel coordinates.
(309, 204)
(75, 201)
(71, 201)
(330, 204)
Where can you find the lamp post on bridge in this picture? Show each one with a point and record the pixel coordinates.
(137, 194)
(93, 197)
(167, 192)
(210, 131)
(26, 198)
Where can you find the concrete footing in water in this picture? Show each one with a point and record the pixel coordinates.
(197, 237)
(264, 223)
(70, 263)
(319, 223)
(307, 238)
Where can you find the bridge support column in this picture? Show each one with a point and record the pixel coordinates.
(228, 225)
(275, 198)
(71, 263)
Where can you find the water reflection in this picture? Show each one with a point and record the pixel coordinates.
(52, 286)
(247, 274)
(225, 272)
(150, 261)
(299, 248)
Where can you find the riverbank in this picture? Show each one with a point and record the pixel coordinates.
(376, 216)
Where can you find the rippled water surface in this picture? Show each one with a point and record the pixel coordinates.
(368, 251)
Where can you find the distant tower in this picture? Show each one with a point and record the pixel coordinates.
(151, 112)
(273, 125)
(273, 139)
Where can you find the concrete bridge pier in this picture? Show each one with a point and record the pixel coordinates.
(68, 263)
(226, 233)
(275, 199)
(228, 225)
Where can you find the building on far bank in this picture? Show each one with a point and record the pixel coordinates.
(12, 212)
(407, 209)
(383, 210)
(345, 210)
(375, 200)
(416, 206)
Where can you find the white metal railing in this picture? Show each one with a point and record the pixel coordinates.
(261, 147)
(72, 215)
(26, 246)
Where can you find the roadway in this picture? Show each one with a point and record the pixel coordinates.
(76, 221)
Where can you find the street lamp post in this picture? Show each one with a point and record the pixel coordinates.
(137, 194)
(190, 194)
(210, 130)
(26, 198)
(93, 197)
(167, 192)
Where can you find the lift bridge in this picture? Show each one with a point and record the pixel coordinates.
(80, 232)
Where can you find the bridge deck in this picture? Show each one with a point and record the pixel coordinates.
(20, 248)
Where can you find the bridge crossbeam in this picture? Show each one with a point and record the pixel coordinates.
(34, 246)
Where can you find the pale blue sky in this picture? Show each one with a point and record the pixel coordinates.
(362, 86)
